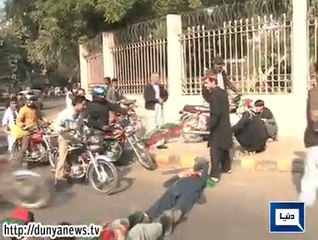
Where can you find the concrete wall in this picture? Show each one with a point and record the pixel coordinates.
(289, 109)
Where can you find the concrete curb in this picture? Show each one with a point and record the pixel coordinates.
(178, 161)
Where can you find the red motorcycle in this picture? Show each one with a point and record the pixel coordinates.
(124, 132)
(194, 121)
(37, 150)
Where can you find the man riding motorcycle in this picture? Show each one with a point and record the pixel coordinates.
(27, 121)
(97, 111)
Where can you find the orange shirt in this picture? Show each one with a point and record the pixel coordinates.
(28, 116)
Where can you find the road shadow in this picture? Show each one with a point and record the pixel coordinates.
(61, 197)
(298, 169)
(51, 107)
(124, 182)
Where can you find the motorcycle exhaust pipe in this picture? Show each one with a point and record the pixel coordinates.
(198, 132)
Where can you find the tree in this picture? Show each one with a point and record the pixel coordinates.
(14, 66)
(52, 29)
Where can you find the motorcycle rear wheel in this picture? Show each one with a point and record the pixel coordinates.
(105, 169)
(187, 126)
(28, 184)
(40, 146)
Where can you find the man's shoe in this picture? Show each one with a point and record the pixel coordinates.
(162, 147)
(60, 184)
(176, 215)
(166, 221)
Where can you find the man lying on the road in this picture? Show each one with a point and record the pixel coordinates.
(133, 228)
(186, 189)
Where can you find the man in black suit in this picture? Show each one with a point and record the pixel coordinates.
(220, 139)
(155, 95)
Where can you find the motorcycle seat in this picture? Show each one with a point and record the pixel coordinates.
(196, 108)
(127, 102)
(110, 137)
(95, 147)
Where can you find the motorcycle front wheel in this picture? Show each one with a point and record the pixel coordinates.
(115, 151)
(108, 180)
(188, 125)
(30, 190)
(144, 157)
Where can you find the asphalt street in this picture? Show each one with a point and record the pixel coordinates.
(51, 108)
(236, 208)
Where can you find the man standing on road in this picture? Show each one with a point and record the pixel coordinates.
(81, 92)
(69, 120)
(114, 92)
(155, 95)
(220, 139)
(8, 120)
(309, 182)
(69, 97)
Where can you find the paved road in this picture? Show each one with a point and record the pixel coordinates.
(51, 107)
(237, 208)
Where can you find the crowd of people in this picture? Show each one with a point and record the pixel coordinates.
(256, 125)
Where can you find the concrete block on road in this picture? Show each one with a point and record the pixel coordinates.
(173, 160)
(290, 165)
(183, 158)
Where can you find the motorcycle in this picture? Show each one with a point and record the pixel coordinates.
(124, 132)
(115, 140)
(23, 188)
(38, 149)
(195, 119)
(86, 161)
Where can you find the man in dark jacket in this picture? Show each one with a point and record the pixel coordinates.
(223, 80)
(220, 139)
(155, 95)
(268, 118)
(184, 191)
(97, 111)
(309, 182)
(250, 131)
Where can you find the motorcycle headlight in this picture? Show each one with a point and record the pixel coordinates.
(129, 129)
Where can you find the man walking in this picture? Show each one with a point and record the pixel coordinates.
(309, 182)
(220, 139)
(155, 95)
(8, 120)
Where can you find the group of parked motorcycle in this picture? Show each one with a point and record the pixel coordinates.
(91, 157)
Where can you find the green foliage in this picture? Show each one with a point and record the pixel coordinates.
(50, 30)
(13, 65)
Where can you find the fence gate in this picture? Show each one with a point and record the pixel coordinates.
(139, 51)
(95, 64)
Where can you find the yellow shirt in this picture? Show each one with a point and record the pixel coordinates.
(28, 116)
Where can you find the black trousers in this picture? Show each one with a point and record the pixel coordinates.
(220, 161)
(169, 200)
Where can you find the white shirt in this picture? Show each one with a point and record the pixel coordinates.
(157, 90)
(68, 99)
(9, 117)
(68, 118)
(220, 80)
